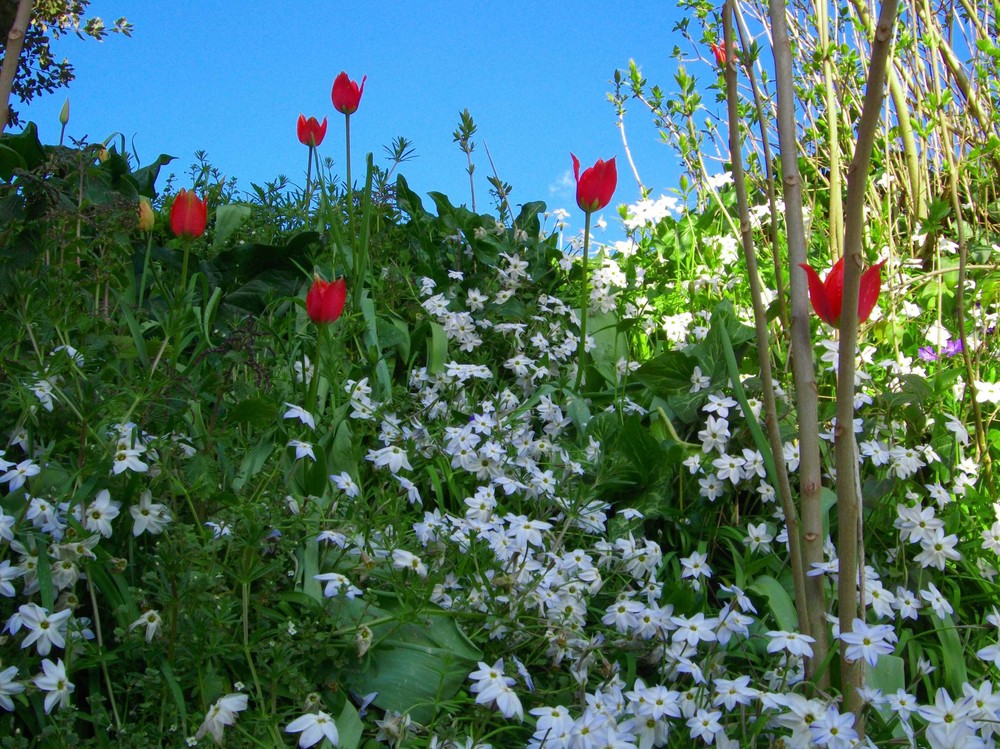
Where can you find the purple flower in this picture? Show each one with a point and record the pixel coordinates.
(951, 348)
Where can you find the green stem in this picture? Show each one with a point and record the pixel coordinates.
(309, 166)
(581, 350)
(350, 186)
(314, 383)
(184, 264)
(145, 268)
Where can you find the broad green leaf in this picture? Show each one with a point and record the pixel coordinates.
(668, 373)
(145, 177)
(887, 675)
(259, 412)
(609, 344)
(349, 727)
(22, 150)
(642, 449)
(415, 666)
(912, 390)
(778, 601)
(437, 349)
(228, 218)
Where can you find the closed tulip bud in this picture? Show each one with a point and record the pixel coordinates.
(64, 114)
(596, 185)
(188, 215)
(346, 93)
(325, 299)
(311, 132)
(146, 216)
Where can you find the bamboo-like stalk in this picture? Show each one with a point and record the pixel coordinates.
(918, 189)
(803, 370)
(768, 159)
(12, 56)
(836, 207)
(760, 322)
(848, 483)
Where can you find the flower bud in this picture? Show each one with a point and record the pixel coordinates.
(146, 216)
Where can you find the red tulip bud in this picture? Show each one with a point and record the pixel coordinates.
(325, 300)
(346, 93)
(596, 185)
(311, 132)
(827, 296)
(188, 215)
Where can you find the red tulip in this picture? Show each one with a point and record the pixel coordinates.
(346, 93)
(596, 185)
(325, 300)
(719, 50)
(188, 215)
(311, 132)
(827, 296)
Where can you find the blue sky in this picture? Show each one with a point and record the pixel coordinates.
(232, 78)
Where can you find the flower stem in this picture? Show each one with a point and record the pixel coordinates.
(314, 383)
(350, 184)
(184, 264)
(145, 267)
(309, 166)
(581, 350)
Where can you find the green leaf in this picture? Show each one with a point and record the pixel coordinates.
(392, 334)
(259, 413)
(437, 349)
(145, 177)
(252, 464)
(21, 151)
(952, 653)
(641, 448)
(349, 727)
(711, 351)
(228, 218)
(175, 691)
(912, 390)
(667, 374)
(887, 674)
(409, 201)
(413, 674)
(415, 666)
(133, 326)
(609, 344)
(778, 601)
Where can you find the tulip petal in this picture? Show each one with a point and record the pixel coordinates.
(188, 215)
(595, 187)
(871, 287)
(817, 294)
(325, 300)
(834, 285)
